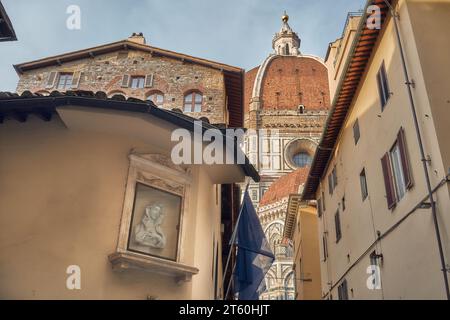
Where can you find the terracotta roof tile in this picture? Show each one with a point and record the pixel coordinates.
(285, 186)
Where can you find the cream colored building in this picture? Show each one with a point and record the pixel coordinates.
(85, 149)
(301, 227)
(92, 206)
(377, 227)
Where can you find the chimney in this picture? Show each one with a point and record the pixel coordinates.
(137, 38)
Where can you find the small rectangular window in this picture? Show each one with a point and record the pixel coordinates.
(319, 207)
(383, 86)
(330, 184)
(137, 82)
(373, 259)
(363, 183)
(193, 102)
(397, 170)
(323, 202)
(325, 248)
(343, 290)
(64, 81)
(264, 190)
(335, 180)
(337, 224)
(356, 133)
(255, 195)
(332, 180)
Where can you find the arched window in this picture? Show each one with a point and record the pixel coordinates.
(289, 281)
(193, 102)
(302, 159)
(301, 109)
(157, 97)
(273, 234)
(116, 92)
(204, 119)
(44, 93)
(286, 49)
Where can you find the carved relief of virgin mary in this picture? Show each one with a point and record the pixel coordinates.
(149, 232)
(154, 227)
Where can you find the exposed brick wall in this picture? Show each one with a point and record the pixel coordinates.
(285, 186)
(290, 81)
(172, 77)
(249, 82)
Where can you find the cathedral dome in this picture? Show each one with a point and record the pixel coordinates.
(285, 186)
(288, 82)
(287, 79)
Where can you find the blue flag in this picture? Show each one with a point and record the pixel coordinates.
(254, 256)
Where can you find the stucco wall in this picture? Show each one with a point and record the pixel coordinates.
(306, 257)
(61, 198)
(432, 18)
(411, 266)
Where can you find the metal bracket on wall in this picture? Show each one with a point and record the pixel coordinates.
(411, 83)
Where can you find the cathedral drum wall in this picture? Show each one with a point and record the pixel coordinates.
(286, 102)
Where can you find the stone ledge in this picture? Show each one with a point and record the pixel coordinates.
(122, 261)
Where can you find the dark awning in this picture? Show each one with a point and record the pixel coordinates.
(13, 106)
(6, 29)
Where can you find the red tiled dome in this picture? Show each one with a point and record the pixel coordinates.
(290, 81)
(285, 186)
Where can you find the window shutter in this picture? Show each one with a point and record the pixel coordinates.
(125, 81)
(335, 180)
(330, 183)
(323, 202)
(356, 133)
(325, 251)
(76, 79)
(337, 224)
(401, 140)
(388, 181)
(51, 79)
(319, 207)
(385, 82)
(149, 80)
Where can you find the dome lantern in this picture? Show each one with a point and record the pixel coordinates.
(286, 42)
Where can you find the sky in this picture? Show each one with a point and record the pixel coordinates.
(235, 32)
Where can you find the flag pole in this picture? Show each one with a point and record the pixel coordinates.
(231, 279)
(233, 239)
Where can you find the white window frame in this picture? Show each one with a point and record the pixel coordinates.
(67, 85)
(397, 171)
(140, 82)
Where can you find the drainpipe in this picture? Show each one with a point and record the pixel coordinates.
(408, 84)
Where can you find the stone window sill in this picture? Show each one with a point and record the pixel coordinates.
(122, 261)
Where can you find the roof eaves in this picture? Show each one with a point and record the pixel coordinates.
(327, 143)
(115, 46)
(4, 19)
(15, 104)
